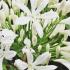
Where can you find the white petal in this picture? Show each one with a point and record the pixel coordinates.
(47, 21)
(22, 6)
(66, 8)
(28, 54)
(48, 67)
(8, 34)
(38, 28)
(66, 21)
(10, 54)
(58, 29)
(20, 64)
(33, 4)
(7, 37)
(1, 61)
(67, 32)
(1, 53)
(5, 8)
(64, 62)
(59, 6)
(4, 12)
(65, 55)
(42, 6)
(42, 59)
(67, 48)
(21, 20)
(66, 43)
(50, 15)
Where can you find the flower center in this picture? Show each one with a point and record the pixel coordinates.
(30, 67)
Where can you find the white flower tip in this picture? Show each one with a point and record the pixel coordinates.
(27, 42)
(53, 67)
(17, 62)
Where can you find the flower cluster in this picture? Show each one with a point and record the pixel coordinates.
(34, 32)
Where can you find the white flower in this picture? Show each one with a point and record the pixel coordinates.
(64, 51)
(6, 53)
(4, 11)
(33, 16)
(66, 48)
(15, 7)
(62, 6)
(4, 8)
(31, 64)
(58, 29)
(49, 16)
(66, 43)
(64, 62)
(66, 34)
(7, 37)
(66, 21)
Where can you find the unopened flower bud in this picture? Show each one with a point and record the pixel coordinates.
(39, 48)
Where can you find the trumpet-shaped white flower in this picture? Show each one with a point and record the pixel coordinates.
(58, 29)
(64, 62)
(4, 8)
(64, 51)
(31, 64)
(66, 43)
(33, 16)
(66, 21)
(6, 53)
(66, 34)
(7, 37)
(62, 6)
(49, 16)
(65, 58)
(15, 7)
(4, 11)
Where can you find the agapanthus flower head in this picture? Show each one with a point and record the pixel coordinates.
(37, 31)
